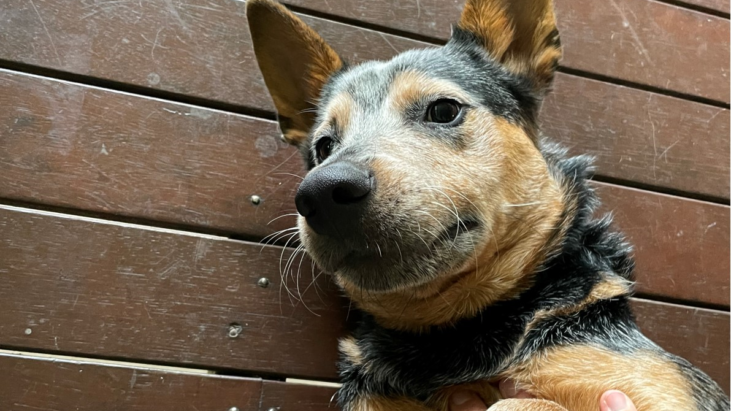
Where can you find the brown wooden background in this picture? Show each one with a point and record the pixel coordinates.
(134, 133)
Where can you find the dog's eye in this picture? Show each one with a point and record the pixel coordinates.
(443, 111)
(323, 147)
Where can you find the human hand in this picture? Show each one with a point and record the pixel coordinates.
(468, 401)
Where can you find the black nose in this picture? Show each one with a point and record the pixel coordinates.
(332, 198)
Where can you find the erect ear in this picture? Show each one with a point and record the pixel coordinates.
(295, 62)
(521, 34)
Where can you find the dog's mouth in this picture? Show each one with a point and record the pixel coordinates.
(401, 260)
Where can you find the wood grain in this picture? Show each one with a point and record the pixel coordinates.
(84, 148)
(681, 246)
(29, 382)
(718, 5)
(85, 287)
(637, 136)
(50, 383)
(689, 333)
(198, 47)
(296, 397)
(92, 149)
(646, 42)
(642, 137)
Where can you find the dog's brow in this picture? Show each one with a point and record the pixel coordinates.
(411, 86)
(339, 110)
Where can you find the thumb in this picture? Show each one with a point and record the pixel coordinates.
(616, 401)
(466, 401)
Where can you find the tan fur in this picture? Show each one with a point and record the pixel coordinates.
(351, 351)
(487, 392)
(409, 87)
(388, 404)
(338, 112)
(526, 405)
(439, 402)
(516, 33)
(576, 377)
(612, 286)
(521, 227)
(294, 61)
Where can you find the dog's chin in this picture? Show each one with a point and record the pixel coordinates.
(396, 266)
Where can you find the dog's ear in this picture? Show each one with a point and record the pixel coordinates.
(521, 34)
(295, 61)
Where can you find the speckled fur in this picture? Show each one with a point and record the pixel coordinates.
(536, 290)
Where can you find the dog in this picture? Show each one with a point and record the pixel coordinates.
(464, 237)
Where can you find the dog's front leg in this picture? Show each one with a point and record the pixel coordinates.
(526, 405)
(386, 404)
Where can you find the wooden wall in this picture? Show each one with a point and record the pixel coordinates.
(134, 133)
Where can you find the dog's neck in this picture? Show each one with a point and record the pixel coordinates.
(525, 234)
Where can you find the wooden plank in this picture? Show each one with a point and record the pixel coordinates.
(156, 160)
(195, 48)
(297, 397)
(681, 245)
(642, 137)
(637, 136)
(646, 42)
(696, 334)
(203, 49)
(96, 150)
(87, 287)
(29, 382)
(718, 5)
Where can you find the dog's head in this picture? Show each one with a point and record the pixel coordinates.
(425, 168)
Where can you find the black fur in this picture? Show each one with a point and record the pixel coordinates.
(417, 365)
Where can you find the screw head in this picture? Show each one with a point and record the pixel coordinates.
(273, 409)
(255, 199)
(233, 409)
(263, 282)
(234, 330)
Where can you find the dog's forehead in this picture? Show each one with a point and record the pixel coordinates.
(369, 83)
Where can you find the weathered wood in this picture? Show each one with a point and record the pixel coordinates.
(95, 288)
(87, 288)
(36, 382)
(637, 136)
(696, 334)
(642, 137)
(108, 152)
(297, 397)
(198, 45)
(718, 5)
(92, 149)
(29, 382)
(681, 245)
(645, 42)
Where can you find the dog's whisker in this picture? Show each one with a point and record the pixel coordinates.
(271, 237)
(288, 174)
(455, 211)
(282, 216)
(301, 294)
(399, 252)
(523, 205)
(282, 273)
